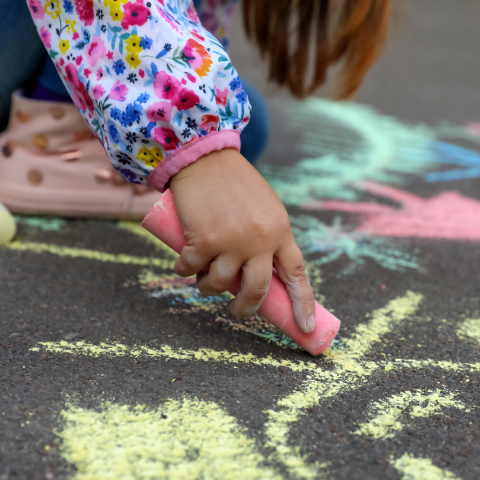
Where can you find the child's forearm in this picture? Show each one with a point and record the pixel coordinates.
(155, 87)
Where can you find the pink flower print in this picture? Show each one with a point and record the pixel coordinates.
(99, 73)
(192, 13)
(46, 37)
(165, 86)
(135, 14)
(198, 57)
(166, 138)
(141, 73)
(210, 123)
(184, 82)
(95, 51)
(72, 75)
(119, 92)
(76, 36)
(191, 77)
(110, 55)
(62, 62)
(79, 92)
(186, 99)
(221, 97)
(98, 91)
(36, 9)
(85, 11)
(170, 19)
(78, 60)
(87, 72)
(160, 112)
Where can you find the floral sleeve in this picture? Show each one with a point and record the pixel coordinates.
(157, 88)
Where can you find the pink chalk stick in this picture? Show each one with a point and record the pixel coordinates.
(162, 221)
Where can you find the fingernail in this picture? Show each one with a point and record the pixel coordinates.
(310, 324)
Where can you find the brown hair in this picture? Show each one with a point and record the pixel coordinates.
(349, 31)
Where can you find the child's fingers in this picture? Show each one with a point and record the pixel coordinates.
(291, 270)
(256, 278)
(223, 271)
(192, 260)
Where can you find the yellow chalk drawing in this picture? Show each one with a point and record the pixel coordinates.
(386, 415)
(144, 278)
(90, 254)
(446, 365)
(149, 280)
(147, 277)
(350, 370)
(470, 330)
(412, 468)
(137, 229)
(179, 440)
(167, 352)
(348, 374)
(382, 321)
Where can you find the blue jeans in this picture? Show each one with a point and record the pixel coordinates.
(256, 135)
(25, 62)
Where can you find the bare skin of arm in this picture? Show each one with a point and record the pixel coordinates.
(232, 218)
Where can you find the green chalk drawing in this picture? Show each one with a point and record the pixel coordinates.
(261, 328)
(48, 224)
(315, 237)
(347, 143)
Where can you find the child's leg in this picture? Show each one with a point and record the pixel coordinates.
(22, 52)
(256, 135)
(48, 86)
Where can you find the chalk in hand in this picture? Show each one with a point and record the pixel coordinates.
(162, 221)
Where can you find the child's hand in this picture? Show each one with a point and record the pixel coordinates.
(231, 217)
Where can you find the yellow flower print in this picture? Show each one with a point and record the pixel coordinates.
(52, 8)
(115, 11)
(64, 46)
(117, 15)
(133, 44)
(133, 60)
(157, 153)
(114, 4)
(71, 26)
(151, 158)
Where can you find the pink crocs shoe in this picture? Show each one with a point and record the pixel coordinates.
(50, 163)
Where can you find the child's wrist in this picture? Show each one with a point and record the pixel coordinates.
(215, 162)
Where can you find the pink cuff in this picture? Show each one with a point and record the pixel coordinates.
(190, 153)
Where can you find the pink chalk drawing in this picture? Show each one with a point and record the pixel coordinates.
(448, 215)
(473, 128)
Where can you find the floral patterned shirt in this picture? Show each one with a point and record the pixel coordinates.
(155, 86)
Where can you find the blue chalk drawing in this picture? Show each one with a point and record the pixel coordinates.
(447, 153)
